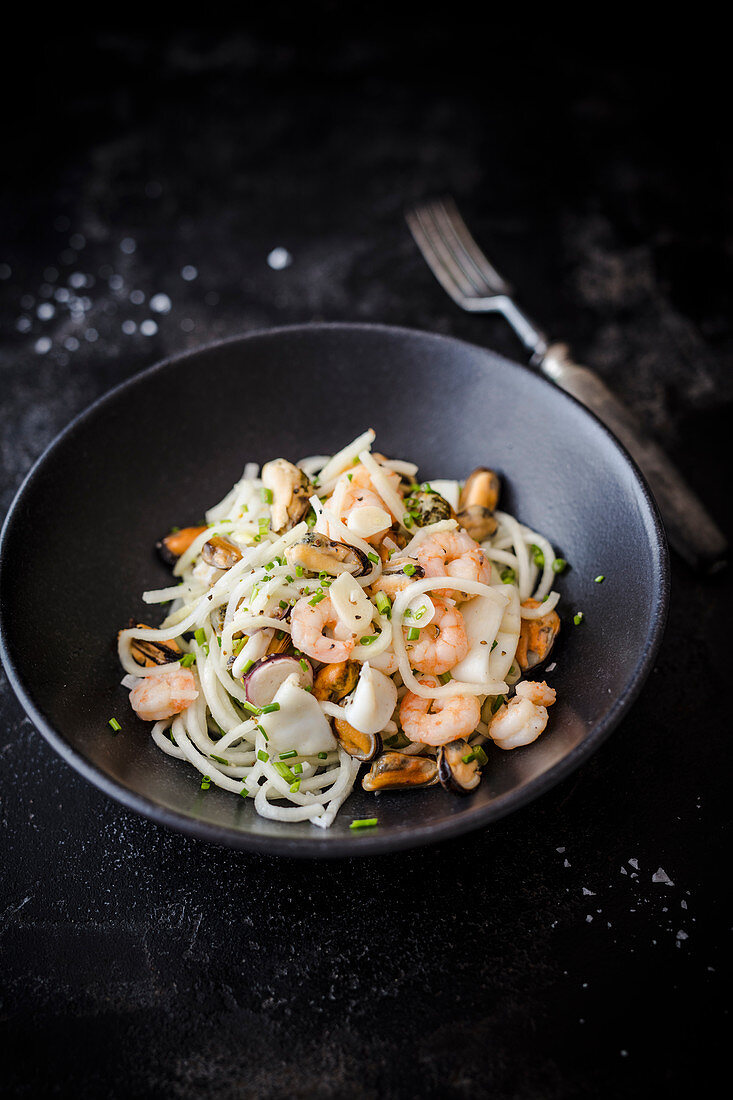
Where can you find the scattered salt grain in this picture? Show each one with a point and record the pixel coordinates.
(160, 303)
(660, 875)
(148, 328)
(634, 863)
(588, 893)
(560, 850)
(279, 258)
(43, 345)
(45, 311)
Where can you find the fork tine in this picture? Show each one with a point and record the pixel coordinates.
(456, 232)
(433, 249)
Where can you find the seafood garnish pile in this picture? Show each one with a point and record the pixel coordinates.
(339, 613)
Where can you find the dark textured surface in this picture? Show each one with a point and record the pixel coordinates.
(538, 958)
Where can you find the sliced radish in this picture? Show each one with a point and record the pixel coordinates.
(265, 677)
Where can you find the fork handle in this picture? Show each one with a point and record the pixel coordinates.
(690, 529)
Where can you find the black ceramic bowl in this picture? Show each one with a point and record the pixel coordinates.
(77, 551)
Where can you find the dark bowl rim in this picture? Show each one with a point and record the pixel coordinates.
(361, 844)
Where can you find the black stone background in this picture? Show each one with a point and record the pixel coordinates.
(537, 958)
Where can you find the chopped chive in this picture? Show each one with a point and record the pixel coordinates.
(270, 708)
(304, 665)
(578, 618)
(280, 634)
(250, 707)
(284, 603)
(295, 786)
(409, 569)
(373, 557)
(368, 639)
(537, 556)
(493, 646)
(600, 578)
(320, 595)
(289, 754)
(407, 613)
(115, 725)
(239, 646)
(297, 769)
(308, 687)
(299, 570)
(247, 665)
(244, 792)
(266, 495)
(322, 575)
(219, 759)
(413, 634)
(174, 529)
(187, 660)
(363, 823)
(263, 731)
(559, 565)
(508, 575)
(445, 677)
(469, 757)
(205, 782)
(384, 605)
(349, 477)
(288, 578)
(310, 519)
(500, 699)
(408, 521)
(263, 756)
(282, 769)
(322, 755)
(200, 636)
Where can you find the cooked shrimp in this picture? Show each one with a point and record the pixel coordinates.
(309, 624)
(437, 721)
(392, 584)
(442, 643)
(163, 695)
(455, 554)
(360, 493)
(523, 718)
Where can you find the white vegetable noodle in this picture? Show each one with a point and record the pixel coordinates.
(229, 697)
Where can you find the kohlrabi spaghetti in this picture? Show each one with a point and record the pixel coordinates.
(339, 613)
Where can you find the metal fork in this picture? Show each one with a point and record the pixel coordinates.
(475, 285)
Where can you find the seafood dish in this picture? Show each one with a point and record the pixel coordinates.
(339, 616)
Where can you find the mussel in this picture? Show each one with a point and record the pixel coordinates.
(317, 554)
(176, 543)
(459, 769)
(426, 506)
(334, 682)
(362, 746)
(477, 502)
(398, 771)
(291, 491)
(149, 652)
(220, 552)
(536, 638)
